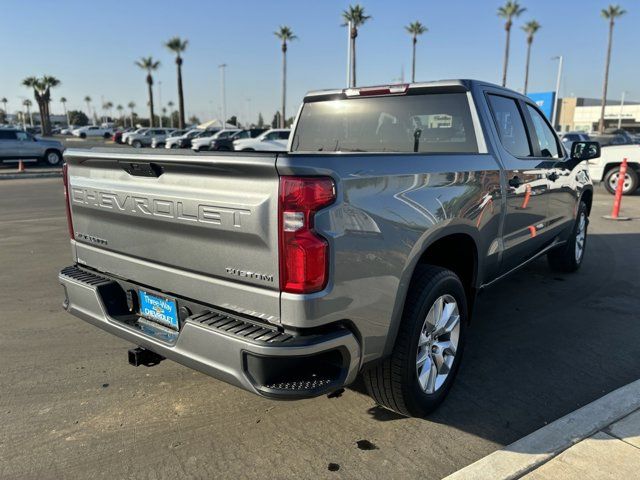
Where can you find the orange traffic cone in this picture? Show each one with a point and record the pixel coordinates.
(21, 167)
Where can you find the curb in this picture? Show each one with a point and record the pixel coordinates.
(13, 176)
(528, 453)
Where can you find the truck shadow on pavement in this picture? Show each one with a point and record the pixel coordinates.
(543, 344)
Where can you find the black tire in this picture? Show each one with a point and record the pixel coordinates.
(224, 149)
(631, 181)
(248, 150)
(566, 258)
(107, 135)
(393, 382)
(136, 144)
(52, 158)
(83, 135)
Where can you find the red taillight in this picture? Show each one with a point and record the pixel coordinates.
(304, 255)
(67, 199)
(399, 89)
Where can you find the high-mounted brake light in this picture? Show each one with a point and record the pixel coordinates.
(381, 90)
(67, 198)
(304, 255)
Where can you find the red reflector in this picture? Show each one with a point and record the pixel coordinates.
(67, 199)
(304, 255)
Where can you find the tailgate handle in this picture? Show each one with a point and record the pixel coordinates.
(142, 169)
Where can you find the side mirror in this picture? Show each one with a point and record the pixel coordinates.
(581, 151)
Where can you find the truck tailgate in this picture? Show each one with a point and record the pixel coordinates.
(200, 226)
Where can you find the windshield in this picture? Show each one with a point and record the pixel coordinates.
(429, 123)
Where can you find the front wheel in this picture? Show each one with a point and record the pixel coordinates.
(136, 144)
(83, 135)
(569, 257)
(417, 376)
(52, 157)
(629, 185)
(107, 135)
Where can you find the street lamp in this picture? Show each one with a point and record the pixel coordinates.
(621, 108)
(223, 96)
(555, 103)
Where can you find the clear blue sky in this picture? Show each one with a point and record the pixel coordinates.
(91, 47)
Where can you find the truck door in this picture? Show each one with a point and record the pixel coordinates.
(526, 182)
(9, 145)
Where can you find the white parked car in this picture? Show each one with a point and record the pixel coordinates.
(184, 140)
(605, 169)
(126, 135)
(275, 140)
(138, 140)
(92, 131)
(202, 144)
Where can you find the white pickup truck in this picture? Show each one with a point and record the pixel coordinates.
(605, 169)
(92, 131)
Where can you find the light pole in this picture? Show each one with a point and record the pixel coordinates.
(621, 108)
(223, 95)
(555, 102)
(160, 100)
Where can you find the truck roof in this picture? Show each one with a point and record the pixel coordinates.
(459, 85)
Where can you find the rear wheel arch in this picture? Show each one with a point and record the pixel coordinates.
(587, 198)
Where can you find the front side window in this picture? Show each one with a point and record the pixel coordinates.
(271, 136)
(546, 137)
(420, 123)
(7, 135)
(22, 135)
(510, 125)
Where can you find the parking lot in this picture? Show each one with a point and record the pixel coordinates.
(541, 345)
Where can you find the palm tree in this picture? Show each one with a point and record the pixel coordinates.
(285, 34)
(610, 13)
(530, 29)
(131, 106)
(87, 100)
(6, 112)
(509, 11)
(150, 65)
(27, 103)
(164, 114)
(354, 14)
(178, 46)
(415, 29)
(63, 101)
(120, 108)
(170, 105)
(42, 94)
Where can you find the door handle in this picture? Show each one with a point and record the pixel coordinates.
(515, 182)
(553, 176)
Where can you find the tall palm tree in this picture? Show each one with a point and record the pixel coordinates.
(610, 13)
(150, 65)
(354, 14)
(131, 106)
(508, 11)
(415, 29)
(530, 29)
(4, 103)
(42, 93)
(120, 109)
(63, 101)
(285, 34)
(170, 104)
(87, 100)
(27, 103)
(178, 46)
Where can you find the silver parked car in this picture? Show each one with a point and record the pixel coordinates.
(20, 145)
(139, 140)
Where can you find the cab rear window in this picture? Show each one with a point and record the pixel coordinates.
(426, 123)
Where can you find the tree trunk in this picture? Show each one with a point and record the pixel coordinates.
(353, 58)
(180, 97)
(506, 55)
(283, 117)
(526, 68)
(413, 61)
(150, 88)
(131, 118)
(605, 85)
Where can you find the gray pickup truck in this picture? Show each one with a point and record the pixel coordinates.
(359, 251)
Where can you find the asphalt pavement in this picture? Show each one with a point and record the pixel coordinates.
(541, 345)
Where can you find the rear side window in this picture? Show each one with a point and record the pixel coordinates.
(283, 135)
(426, 123)
(510, 125)
(7, 135)
(546, 137)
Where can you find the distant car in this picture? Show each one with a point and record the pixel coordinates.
(226, 144)
(138, 140)
(159, 142)
(607, 139)
(184, 141)
(569, 138)
(20, 145)
(606, 168)
(203, 144)
(92, 131)
(67, 130)
(117, 135)
(275, 140)
(125, 136)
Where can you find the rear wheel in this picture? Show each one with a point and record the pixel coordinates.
(417, 376)
(136, 144)
(107, 135)
(568, 258)
(83, 135)
(630, 184)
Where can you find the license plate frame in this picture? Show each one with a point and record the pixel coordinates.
(159, 308)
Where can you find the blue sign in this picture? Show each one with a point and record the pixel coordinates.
(545, 101)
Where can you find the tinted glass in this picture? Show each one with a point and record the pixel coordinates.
(271, 136)
(546, 137)
(571, 138)
(283, 135)
(427, 123)
(23, 136)
(7, 135)
(510, 125)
